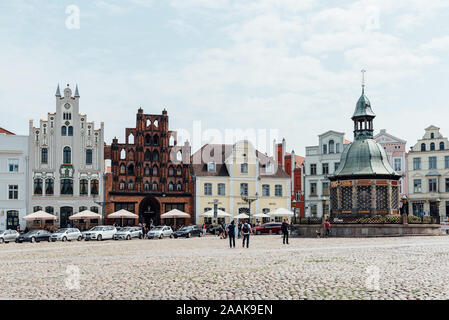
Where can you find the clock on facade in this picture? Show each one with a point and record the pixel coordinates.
(67, 106)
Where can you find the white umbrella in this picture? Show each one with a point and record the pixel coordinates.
(280, 212)
(123, 214)
(175, 213)
(242, 216)
(262, 215)
(220, 214)
(39, 215)
(86, 214)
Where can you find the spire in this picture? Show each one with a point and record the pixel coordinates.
(363, 80)
(363, 115)
(58, 92)
(77, 94)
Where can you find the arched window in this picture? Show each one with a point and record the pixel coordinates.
(179, 156)
(131, 139)
(130, 185)
(155, 140)
(123, 154)
(147, 155)
(432, 135)
(94, 187)
(155, 171)
(154, 186)
(63, 130)
(122, 169)
(131, 169)
(38, 186)
(331, 146)
(324, 148)
(44, 155)
(171, 172)
(49, 187)
(441, 145)
(70, 131)
(147, 140)
(179, 186)
(37, 208)
(337, 148)
(179, 171)
(423, 147)
(67, 186)
(49, 210)
(148, 122)
(122, 185)
(84, 187)
(67, 155)
(170, 186)
(432, 146)
(131, 154)
(155, 155)
(171, 141)
(146, 186)
(89, 156)
(156, 123)
(147, 170)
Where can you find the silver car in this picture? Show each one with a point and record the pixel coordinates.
(8, 235)
(128, 233)
(66, 234)
(160, 232)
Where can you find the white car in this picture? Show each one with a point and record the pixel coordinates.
(128, 233)
(66, 234)
(160, 232)
(8, 235)
(100, 233)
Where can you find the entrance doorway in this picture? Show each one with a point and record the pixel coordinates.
(66, 212)
(150, 210)
(433, 209)
(12, 219)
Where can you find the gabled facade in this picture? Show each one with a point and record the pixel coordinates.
(224, 172)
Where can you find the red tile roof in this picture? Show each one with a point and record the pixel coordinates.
(299, 160)
(6, 131)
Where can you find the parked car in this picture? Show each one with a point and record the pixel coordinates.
(8, 235)
(160, 232)
(188, 231)
(128, 233)
(100, 233)
(34, 236)
(66, 234)
(214, 229)
(270, 227)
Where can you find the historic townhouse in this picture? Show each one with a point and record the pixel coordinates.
(321, 162)
(428, 165)
(13, 179)
(66, 161)
(150, 173)
(227, 174)
(397, 156)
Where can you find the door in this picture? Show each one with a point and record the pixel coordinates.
(434, 209)
(66, 212)
(12, 219)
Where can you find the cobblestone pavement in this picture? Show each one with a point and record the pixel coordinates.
(206, 268)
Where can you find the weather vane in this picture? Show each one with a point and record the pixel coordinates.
(363, 77)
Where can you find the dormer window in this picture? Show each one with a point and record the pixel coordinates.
(211, 167)
(432, 135)
(269, 168)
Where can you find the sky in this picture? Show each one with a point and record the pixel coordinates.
(287, 68)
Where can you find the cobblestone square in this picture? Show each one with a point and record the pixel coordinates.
(206, 268)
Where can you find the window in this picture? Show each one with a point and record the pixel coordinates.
(417, 186)
(147, 140)
(398, 164)
(94, 209)
(221, 189)
(82, 208)
(313, 169)
(433, 185)
(94, 186)
(447, 184)
(155, 171)
(147, 170)
(44, 155)
(37, 208)
(441, 145)
(324, 148)
(146, 186)
(13, 165)
(179, 186)
(325, 187)
(278, 190)
(171, 171)
(243, 189)
(432, 146)
(331, 146)
(63, 131)
(124, 205)
(147, 155)
(155, 140)
(13, 192)
(416, 163)
(313, 190)
(67, 186)
(170, 186)
(83, 187)
(155, 155)
(155, 186)
(336, 164)
(38, 186)
(265, 190)
(208, 189)
(130, 184)
(325, 168)
(244, 168)
(211, 167)
(67, 155)
(423, 147)
(67, 116)
(49, 210)
(89, 156)
(49, 187)
(131, 169)
(123, 154)
(418, 209)
(179, 171)
(432, 136)
(432, 162)
(122, 185)
(122, 169)
(337, 148)
(70, 131)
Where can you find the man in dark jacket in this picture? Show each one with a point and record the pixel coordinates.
(284, 228)
(231, 234)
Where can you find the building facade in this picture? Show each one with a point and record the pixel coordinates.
(13, 180)
(395, 148)
(292, 164)
(428, 171)
(227, 173)
(321, 162)
(150, 173)
(66, 161)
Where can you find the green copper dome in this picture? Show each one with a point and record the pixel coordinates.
(363, 107)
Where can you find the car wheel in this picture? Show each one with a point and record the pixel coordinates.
(64, 239)
(2, 240)
(161, 236)
(188, 235)
(200, 234)
(33, 239)
(128, 237)
(49, 240)
(99, 238)
(171, 236)
(176, 237)
(80, 238)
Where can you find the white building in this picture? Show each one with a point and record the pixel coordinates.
(66, 161)
(13, 180)
(428, 172)
(321, 161)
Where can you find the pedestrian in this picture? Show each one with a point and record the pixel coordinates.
(327, 228)
(239, 230)
(231, 234)
(204, 228)
(284, 229)
(18, 229)
(144, 230)
(246, 230)
(68, 225)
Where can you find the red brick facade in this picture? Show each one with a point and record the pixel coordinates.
(150, 174)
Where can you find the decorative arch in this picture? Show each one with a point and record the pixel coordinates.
(155, 140)
(131, 138)
(147, 139)
(155, 156)
(147, 155)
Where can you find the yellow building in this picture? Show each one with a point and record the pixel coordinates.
(227, 173)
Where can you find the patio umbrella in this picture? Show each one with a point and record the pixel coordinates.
(175, 213)
(280, 212)
(220, 214)
(123, 214)
(86, 214)
(242, 216)
(262, 215)
(39, 215)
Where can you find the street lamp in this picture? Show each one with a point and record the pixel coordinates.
(249, 200)
(404, 203)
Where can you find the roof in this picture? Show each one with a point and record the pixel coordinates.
(383, 132)
(299, 160)
(346, 141)
(6, 131)
(363, 107)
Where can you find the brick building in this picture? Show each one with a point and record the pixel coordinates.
(150, 174)
(292, 165)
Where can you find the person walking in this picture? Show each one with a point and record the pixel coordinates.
(246, 230)
(231, 234)
(284, 229)
(204, 228)
(327, 228)
(144, 230)
(239, 227)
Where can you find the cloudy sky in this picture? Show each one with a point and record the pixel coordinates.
(288, 65)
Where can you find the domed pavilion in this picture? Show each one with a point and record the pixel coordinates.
(364, 184)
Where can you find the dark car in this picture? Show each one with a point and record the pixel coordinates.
(270, 227)
(34, 236)
(214, 229)
(188, 231)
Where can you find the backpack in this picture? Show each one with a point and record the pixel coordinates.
(245, 228)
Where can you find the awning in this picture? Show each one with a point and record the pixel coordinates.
(39, 215)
